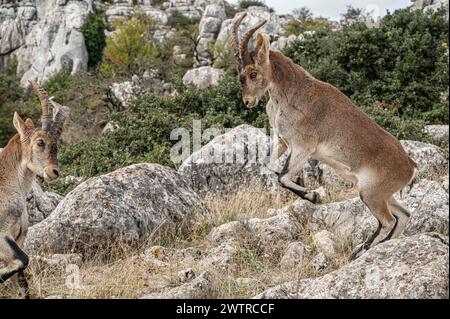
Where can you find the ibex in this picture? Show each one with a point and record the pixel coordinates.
(31, 153)
(314, 119)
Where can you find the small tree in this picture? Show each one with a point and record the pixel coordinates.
(304, 21)
(130, 49)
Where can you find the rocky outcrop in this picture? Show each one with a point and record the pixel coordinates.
(432, 5)
(47, 37)
(209, 28)
(412, 268)
(125, 9)
(230, 161)
(430, 159)
(203, 77)
(131, 204)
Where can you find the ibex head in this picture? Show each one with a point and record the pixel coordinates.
(40, 145)
(254, 67)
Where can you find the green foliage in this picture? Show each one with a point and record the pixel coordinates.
(130, 50)
(304, 21)
(402, 65)
(245, 4)
(144, 129)
(94, 37)
(179, 21)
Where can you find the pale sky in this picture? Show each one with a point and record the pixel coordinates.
(334, 8)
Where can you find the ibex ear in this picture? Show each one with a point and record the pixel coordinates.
(262, 49)
(19, 124)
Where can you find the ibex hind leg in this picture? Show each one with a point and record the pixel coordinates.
(387, 222)
(402, 214)
(14, 258)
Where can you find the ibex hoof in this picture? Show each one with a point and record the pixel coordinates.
(359, 250)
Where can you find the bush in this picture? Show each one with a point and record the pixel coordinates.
(403, 64)
(130, 50)
(245, 4)
(144, 129)
(304, 21)
(94, 37)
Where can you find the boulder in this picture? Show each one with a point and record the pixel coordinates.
(430, 159)
(231, 161)
(409, 268)
(199, 288)
(438, 133)
(428, 202)
(131, 204)
(203, 77)
(295, 254)
(324, 242)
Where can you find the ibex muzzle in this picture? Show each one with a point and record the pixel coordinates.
(313, 119)
(31, 153)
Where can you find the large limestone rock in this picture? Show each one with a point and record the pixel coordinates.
(433, 5)
(231, 161)
(351, 219)
(411, 268)
(131, 204)
(430, 159)
(53, 42)
(203, 77)
(438, 133)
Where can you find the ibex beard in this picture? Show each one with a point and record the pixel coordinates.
(31, 153)
(313, 119)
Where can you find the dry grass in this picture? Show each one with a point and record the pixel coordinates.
(123, 272)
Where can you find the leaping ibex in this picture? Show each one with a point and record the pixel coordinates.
(314, 119)
(31, 153)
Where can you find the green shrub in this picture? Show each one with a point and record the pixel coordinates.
(130, 50)
(144, 129)
(245, 4)
(403, 64)
(94, 37)
(304, 21)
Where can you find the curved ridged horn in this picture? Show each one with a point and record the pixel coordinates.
(46, 117)
(246, 59)
(234, 38)
(61, 114)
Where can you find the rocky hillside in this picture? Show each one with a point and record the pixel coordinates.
(126, 221)
(208, 226)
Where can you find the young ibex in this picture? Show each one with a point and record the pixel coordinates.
(314, 119)
(31, 153)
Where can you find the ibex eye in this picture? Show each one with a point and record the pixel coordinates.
(40, 143)
(253, 75)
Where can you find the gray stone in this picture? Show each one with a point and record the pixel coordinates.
(324, 242)
(438, 133)
(199, 288)
(203, 77)
(408, 268)
(295, 254)
(231, 161)
(131, 204)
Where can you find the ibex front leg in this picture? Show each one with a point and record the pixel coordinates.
(278, 149)
(14, 257)
(294, 163)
